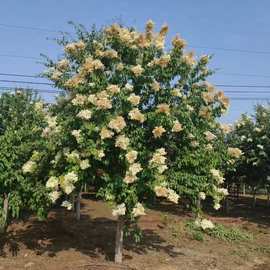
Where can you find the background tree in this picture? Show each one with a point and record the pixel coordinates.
(251, 135)
(21, 124)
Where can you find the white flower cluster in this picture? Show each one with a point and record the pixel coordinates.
(205, 224)
(158, 160)
(119, 210)
(171, 195)
(29, 167)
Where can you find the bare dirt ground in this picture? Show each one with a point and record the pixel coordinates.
(61, 242)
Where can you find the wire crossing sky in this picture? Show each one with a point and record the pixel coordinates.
(236, 33)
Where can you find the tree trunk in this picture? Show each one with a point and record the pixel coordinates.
(198, 210)
(4, 216)
(119, 240)
(244, 189)
(268, 199)
(254, 198)
(78, 206)
(226, 205)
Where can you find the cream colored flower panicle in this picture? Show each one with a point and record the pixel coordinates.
(85, 114)
(177, 127)
(206, 224)
(176, 92)
(129, 87)
(119, 67)
(56, 75)
(155, 86)
(129, 178)
(117, 124)
(131, 174)
(29, 167)
(178, 42)
(119, 210)
(162, 62)
(189, 59)
(75, 47)
(106, 133)
(67, 205)
(161, 191)
(102, 101)
(52, 182)
(131, 156)
(226, 128)
(67, 182)
(138, 210)
(137, 70)
(135, 168)
(172, 196)
(77, 134)
(202, 195)
(209, 136)
(135, 114)
(113, 89)
(158, 131)
(62, 65)
(224, 101)
(234, 152)
(79, 100)
(134, 99)
(74, 81)
(90, 65)
(217, 175)
(84, 164)
(122, 142)
(158, 160)
(54, 196)
(163, 108)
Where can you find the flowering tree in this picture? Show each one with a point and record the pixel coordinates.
(251, 135)
(137, 121)
(21, 185)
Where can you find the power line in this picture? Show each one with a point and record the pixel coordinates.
(19, 56)
(51, 84)
(20, 75)
(242, 86)
(192, 46)
(242, 74)
(49, 91)
(230, 50)
(27, 82)
(28, 28)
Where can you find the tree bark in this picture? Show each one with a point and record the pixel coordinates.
(198, 205)
(119, 240)
(244, 189)
(254, 198)
(268, 199)
(4, 217)
(78, 206)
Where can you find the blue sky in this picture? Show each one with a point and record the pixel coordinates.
(242, 24)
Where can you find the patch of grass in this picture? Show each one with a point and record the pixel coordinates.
(229, 234)
(195, 232)
(219, 232)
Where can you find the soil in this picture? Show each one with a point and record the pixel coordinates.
(62, 243)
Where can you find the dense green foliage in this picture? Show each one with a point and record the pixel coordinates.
(21, 125)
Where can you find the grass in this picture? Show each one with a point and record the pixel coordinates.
(219, 232)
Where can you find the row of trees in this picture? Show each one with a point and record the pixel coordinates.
(137, 121)
(252, 135)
